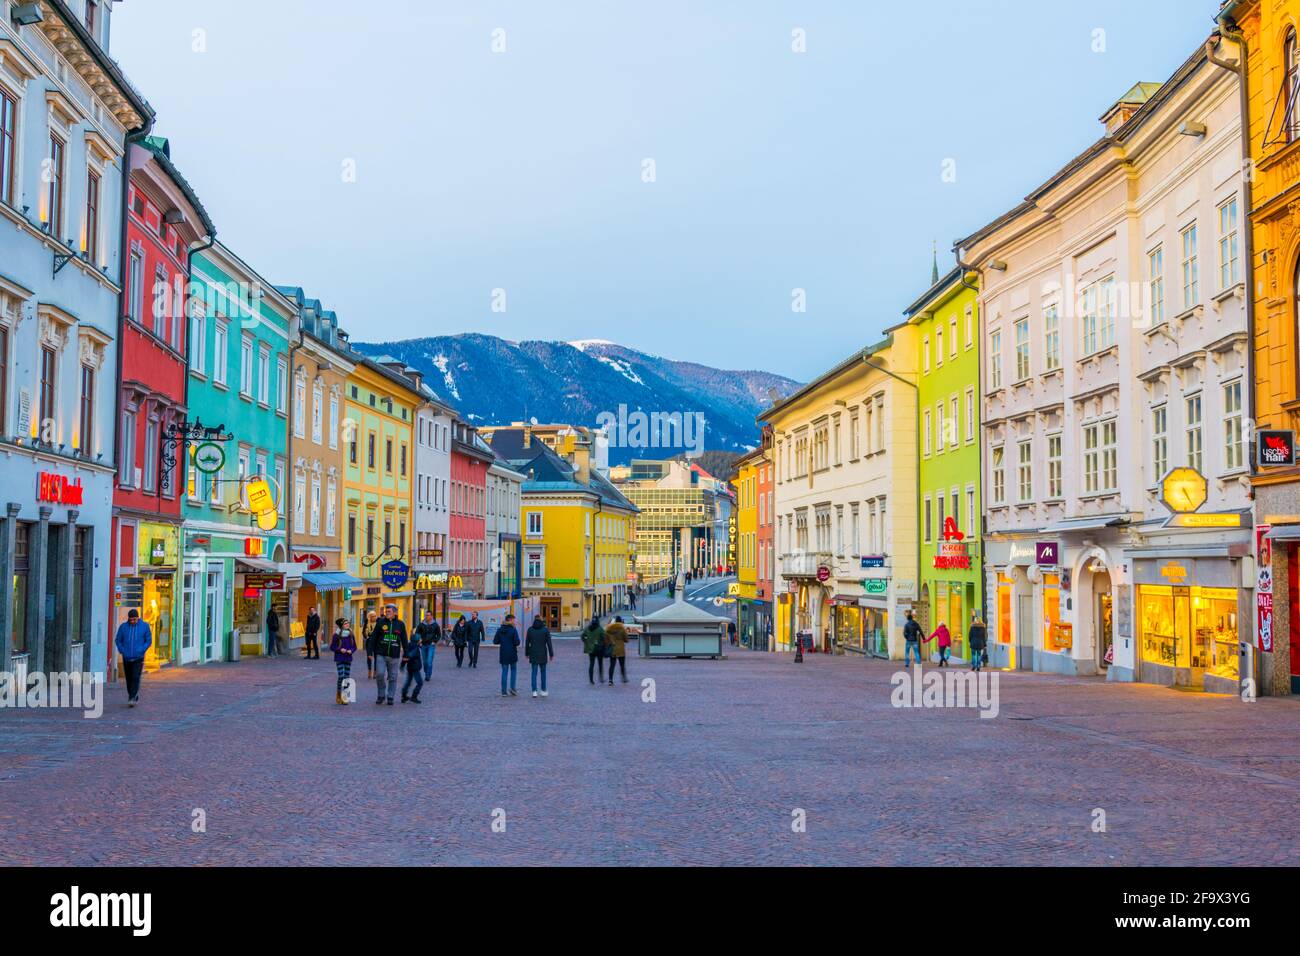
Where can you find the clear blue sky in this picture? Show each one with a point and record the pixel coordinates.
(522, 170)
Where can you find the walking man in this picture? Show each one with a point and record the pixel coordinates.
(912, 636)
(272, 633)
(459, 635)
(616, 647)
(313, 635)
(429, 634)
(593, 643)
(540, 651)
(390, 642)
(133, 640)
(508, 638)
(474, 632)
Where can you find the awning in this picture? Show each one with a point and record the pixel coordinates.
(331, 580)
(258, 564)
(1086, 524)
(1284, 532)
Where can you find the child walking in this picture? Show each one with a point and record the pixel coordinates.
(344, 645)
(943, 639)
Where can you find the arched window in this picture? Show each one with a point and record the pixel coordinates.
(1291, 86)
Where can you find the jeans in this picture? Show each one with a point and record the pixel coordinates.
(460, 654)
(944, 654)
(414, 674)
(271, 649)
(911, 647)
(976, 658)
(386, 676)
(426, 656)
(596, 665)
(313, 648)
(622, 665)
(473, 653)
(536, 668)
(512, 670)
(133, 671)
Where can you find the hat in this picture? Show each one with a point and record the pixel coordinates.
(341, 622)
(133, 613)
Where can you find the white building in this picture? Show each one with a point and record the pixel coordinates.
(1115, 334)
(432, 523)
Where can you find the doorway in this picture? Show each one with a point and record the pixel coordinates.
(551, 613)
(1025, 632)
(1104, 625)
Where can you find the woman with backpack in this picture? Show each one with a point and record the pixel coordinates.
(593, 643)
(978, 639)
(344, 645)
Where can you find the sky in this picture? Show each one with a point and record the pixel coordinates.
(664, 175)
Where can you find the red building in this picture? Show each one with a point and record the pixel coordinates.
(467, 532)
(765, 539)
(164, 219)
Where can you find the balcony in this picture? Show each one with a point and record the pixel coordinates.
(804, 564)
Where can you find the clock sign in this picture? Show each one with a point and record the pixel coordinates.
(1183, 490)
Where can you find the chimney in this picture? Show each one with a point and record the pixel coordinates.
(582, 463)
(528, 436)
(1128, 104)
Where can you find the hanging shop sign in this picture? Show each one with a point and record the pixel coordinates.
(434, 581)
(823, 573)
(1222, 519)
(209, 457)
(1047, 554)
(873, 561)
(55, 489)
(875, 585)
(264, 581)
(1276, 449)
(1263, 588)
(952, 556)
(157, 550)
(1183, 490)
(394, 573)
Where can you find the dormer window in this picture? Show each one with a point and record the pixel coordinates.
(92, 18)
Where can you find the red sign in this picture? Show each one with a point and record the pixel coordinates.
(264, 582)
(823, 573)
(1264, 621)
(56, 489)
(950, 532)
(314, 562)
(954, 554)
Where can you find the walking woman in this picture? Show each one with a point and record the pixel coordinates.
(508, 638)
(540, 651)
(943, 641)
(616, 638)
(344, 645)
(460, 636)
(593, 643)
(368, 635)
(977, 638)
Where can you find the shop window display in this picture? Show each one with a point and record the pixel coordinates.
(1193, 628)
(1057, 635)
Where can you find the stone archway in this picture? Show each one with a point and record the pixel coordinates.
(1093, 593)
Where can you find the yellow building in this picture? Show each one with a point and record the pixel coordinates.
(379, 416)
(577, 529)
(746, 518)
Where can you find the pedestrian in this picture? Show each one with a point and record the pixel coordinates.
(616, 639)
(474, 635)
(389, 642)
(272, 633)
(593, 643)
(368, 636)
(731, 633)
(413, 663)
(943, 641)
(133, 640)
(540, 651)
(312, 632)
(344, 644)
(508, 638)
(672, 587)
(458, 637)
(912, 635)
(631, 599)
(429, 634)
(977, 640)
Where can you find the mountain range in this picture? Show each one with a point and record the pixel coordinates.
(493, 381)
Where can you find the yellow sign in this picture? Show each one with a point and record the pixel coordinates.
(733, 587)
(1175, 573)
(1208, 520)
(259, 496)
(267, 520)
(1183, 490)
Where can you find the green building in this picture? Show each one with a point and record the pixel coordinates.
(947, 325)
(236, 566)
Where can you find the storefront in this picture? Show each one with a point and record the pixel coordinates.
(327, 592)
(950, 587)
(262, 586)
(1188, 612)
(846, 623)
(430, 591)
(147, 573)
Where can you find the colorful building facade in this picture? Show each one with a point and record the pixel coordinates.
(746, 518)
(765, 569)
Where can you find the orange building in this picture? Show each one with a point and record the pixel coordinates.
(1269, 60)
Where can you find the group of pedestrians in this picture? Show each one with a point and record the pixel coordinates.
(467, 636)
(605, 643)
(976, 640)
(538, 648)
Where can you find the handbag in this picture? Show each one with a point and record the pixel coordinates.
(984, 657)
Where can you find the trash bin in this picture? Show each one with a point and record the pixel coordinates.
(232, 646)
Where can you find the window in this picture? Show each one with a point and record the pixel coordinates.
(334, 423)
(925, 355)
(995, 359)
(952, 337)
(331, 506)
(48, 362)
(1055, 482)
(1098, 313)
(315, 504)
(926, 434)
(370, 451)
(1100, 473)
(370, 534)
(279, 484)
(853, 435)
(938, 345)
(970, 327)
(4, 381)
(1233, 455)
(1229, 267)
(281, 386)
(1191, 291)
(1022, 349)
(1051, 337)
(971, 529)
(299, 408)
(86, 426)
(534, 524)
(940, 429)
(953, 412)
(8, 140)
(92, 215)
(1025, 470)
(388, 455)
(150, 482)
(999, 476)
(970, 414)
(160, 316)
(198, 342)
(317, 412)
(264, 377)
(219, 356)
(1291, 86)
(92, 17)
(402, 460)
(1195, 444)
(1156, 283)
(928, 525)
(54, 194)
(246, 367)
(1159, 442)
(135, 281)
(126, 453)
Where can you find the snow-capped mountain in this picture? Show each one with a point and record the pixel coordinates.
(492, 381)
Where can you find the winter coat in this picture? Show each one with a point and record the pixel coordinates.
(272, 622)
(313, 625)
(912, 631)
(977, 637)
(537, 644)
(133, 640)
(508, 638)
(593, 639)
(428, 632)
(474, 631)
(459, 633)
(941, 636)
(344, 645)
(389, 638)
(616, 635)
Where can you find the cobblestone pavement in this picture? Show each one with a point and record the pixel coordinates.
(709, 773)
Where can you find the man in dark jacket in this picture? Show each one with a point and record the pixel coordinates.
(459, 632)
(133, 640)
(912, 637)
(429, 634)
(474, 634)
(390, 642)
(508, 638)
(313, 635)
(539, 651)
(413, 663)
(977, 640)
(272, 633)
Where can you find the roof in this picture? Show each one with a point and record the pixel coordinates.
(934, 292)
(548, 471)
(825, 377)
(105, 62)
(162, 154)
(679, 612)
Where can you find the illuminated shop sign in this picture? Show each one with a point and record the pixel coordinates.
(56, 489)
